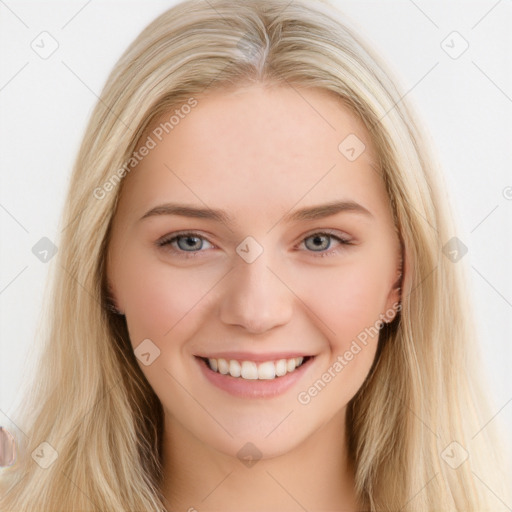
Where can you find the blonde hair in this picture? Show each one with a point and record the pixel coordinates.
(89, 399)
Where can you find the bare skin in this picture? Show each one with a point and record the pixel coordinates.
(259, 153)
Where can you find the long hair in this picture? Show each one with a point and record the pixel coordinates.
(89, 401)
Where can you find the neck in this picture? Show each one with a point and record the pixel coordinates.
(316, 475)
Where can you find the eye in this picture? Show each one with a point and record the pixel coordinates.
(190, 244)
(182, 243)
(321, 241)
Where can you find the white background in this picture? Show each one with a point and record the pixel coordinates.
(466, 104)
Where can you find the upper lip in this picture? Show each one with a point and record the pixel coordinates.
(248, 356)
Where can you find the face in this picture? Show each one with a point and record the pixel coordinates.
(224, 255)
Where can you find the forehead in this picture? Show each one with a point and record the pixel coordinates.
(257, 145)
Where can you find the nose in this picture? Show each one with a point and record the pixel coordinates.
(255, 298)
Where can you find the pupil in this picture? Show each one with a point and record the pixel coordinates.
(191, 242)
(320, 241)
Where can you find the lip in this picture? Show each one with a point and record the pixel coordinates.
(257, 358)
(242, 388)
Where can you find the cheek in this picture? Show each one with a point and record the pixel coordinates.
(158, 298)
(348, 301)
(347, 298)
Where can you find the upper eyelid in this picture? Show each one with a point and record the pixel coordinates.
(178, 234)
(167, 239)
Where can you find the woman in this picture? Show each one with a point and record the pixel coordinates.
(252, 307)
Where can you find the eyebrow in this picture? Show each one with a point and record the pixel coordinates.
(304, 214)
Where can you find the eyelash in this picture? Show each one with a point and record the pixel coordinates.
(169, 239)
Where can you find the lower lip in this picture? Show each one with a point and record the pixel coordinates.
(254, 388)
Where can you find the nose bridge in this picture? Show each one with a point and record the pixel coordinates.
(255, 298)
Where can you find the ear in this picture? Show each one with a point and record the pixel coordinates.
(394, 297)
(110, 292)
(112, 303)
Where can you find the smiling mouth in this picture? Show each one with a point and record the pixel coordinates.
(250, 370)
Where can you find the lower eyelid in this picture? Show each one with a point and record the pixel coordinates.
(166, 242)
(343, 242)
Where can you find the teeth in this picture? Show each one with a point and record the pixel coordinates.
(235, 368)
(223, 366)
(267, 370)
(281, 367)
(249, 370)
